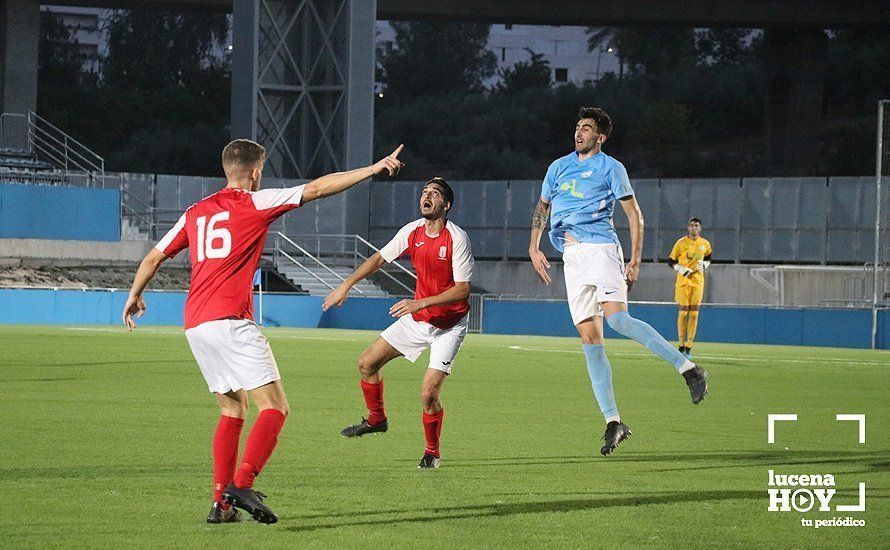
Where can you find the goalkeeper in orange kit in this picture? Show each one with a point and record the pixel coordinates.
(690, 257)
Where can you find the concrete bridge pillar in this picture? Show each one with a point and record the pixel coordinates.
(795, 85)
(19, 38)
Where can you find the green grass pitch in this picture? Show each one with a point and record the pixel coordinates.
(106, 443)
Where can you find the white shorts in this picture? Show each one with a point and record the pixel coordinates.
(232, 355)
(594, 274)
(411, 337)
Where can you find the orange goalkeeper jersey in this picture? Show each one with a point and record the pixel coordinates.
(687, 253)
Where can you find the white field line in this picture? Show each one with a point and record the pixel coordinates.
(760, 359)
(122, 330)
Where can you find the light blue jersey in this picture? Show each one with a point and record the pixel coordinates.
(583, 195)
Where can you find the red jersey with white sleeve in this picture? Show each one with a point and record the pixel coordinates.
(440, 261)
(225, 234)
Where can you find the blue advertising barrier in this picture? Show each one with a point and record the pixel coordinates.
(849, 328)
(103, 307)
(58, 212)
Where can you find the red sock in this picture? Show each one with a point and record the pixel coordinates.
(374, 401)
(432, 428)
(225, 453)
(261, 442)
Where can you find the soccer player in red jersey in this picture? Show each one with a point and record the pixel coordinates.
(225, 233)
(436, 318)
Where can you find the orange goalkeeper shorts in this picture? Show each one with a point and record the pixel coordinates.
(688, 295)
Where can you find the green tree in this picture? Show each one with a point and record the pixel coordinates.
(723, 46)
(651, 49)
(151, 49)
(160, 101)
(534, 73)
(59, 57)
(165, 71)
(432, 58)
(64, 88)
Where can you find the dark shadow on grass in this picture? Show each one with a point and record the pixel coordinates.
(743, 455)
(736, 459)
(359, 519)
(872, 460)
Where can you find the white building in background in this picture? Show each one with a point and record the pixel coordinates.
(563, 47)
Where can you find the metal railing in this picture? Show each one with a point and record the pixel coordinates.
(477, 309)
(854, 290)
(65, 153)
(281, 253)
(351, 250)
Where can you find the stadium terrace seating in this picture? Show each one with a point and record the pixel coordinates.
(22, 160)
(22, 166)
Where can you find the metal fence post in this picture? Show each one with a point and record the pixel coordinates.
(738, 221)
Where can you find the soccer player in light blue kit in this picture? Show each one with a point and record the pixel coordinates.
(582, 188)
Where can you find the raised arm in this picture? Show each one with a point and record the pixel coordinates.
(338, 182)
(539, 224)
(635, 218)
(135, 305)
(339, 294)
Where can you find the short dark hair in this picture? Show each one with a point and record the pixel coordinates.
(242, 153)
(602, 119)
(447, 191)
(694, 220)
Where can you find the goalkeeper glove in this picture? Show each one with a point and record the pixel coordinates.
(682, 270)
(702, 265)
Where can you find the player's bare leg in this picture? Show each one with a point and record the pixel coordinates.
(433, 414)
(233, 404)
(271, 396)
(261, 441)
(233, 409)
(621, 321)
(379, 353)
(591, 332)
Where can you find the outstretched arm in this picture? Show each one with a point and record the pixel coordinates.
(539, 224)
(635, 218)
(339, 294)
(460, 291)
(338, 182)
(135, 305)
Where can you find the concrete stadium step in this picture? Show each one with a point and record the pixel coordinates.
(318, 289)
(310, 284)
(132, 231)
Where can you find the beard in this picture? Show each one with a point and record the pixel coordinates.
(433, 213)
